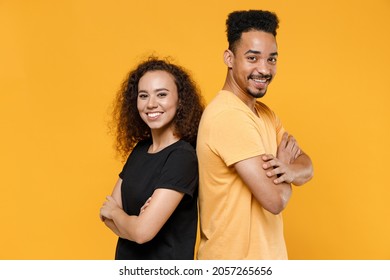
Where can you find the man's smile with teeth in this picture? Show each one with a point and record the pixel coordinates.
(260, 80)
(257, 79)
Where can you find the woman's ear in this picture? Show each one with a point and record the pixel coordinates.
(228, 58)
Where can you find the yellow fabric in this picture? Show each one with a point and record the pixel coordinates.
(233, 223)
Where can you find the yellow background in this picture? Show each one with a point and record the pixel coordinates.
(61, 62)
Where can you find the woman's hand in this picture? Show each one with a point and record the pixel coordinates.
(109, 206)
(145, 205)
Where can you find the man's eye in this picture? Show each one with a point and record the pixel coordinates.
(272, 60)
(252, 58)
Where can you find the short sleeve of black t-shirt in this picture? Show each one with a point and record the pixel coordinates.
(179, 172)
(176, 168)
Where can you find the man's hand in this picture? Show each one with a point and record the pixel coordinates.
(281, 166)
(288, 149)
(283, 171)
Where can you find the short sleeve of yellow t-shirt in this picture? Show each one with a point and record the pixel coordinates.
(235, 136)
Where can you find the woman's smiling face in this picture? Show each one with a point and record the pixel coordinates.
(157, 99)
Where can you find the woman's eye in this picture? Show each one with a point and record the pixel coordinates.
(142, 96)
(162, 94)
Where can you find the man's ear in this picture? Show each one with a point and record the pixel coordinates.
(228, 58)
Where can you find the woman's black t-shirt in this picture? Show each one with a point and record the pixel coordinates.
(175, 167)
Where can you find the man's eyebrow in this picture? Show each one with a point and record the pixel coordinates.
(253, 51)
(259, 52)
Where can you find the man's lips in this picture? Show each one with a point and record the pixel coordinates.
(260, 79)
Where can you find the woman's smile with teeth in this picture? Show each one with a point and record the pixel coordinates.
(153, 115)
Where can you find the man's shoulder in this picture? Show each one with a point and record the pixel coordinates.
(223, 103)
(262, 106)
(264, 110)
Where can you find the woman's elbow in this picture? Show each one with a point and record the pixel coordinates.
(142, 236)
(141, 239)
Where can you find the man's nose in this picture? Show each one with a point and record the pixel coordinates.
(263, 67)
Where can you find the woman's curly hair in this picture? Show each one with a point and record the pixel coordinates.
(128, 125)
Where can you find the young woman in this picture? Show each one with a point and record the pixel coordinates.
(153, 207)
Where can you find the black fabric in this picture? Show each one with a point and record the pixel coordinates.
(176, 168)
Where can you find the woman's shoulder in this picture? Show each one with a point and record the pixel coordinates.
(142, 144)
(182, 145)
(185, 145)
(181, 150)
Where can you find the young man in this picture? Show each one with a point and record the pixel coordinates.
(247, 162)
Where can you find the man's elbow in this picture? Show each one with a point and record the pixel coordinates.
(279, 203)
(310, 175)
(276, 208)
(306, 178)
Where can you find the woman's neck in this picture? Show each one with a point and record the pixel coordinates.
(162, 140)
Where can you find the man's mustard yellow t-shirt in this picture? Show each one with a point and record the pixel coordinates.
(233, 224)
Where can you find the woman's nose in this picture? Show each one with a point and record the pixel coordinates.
(152, 102)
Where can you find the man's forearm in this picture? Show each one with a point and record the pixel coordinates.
(303, 168)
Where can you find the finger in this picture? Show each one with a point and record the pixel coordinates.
(298, 153)
(294, 153)
(147, 202)
(284, 140)
(142, 209)
(280, 179)
(291, 142)
(287, 178)
(270, 173)
(274, 172)
(144, 206)
(267, 157)
(102, 214)
(273, 163)
(111, 202)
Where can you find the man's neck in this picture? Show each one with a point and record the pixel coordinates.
(248, 100)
